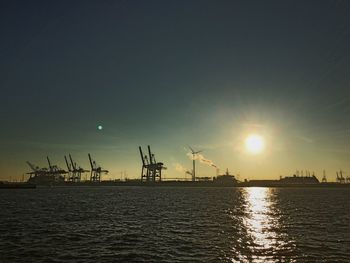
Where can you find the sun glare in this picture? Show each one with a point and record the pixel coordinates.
(254, 144)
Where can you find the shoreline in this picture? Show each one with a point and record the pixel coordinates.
(190, 184)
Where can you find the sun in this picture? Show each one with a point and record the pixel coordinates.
(254, 144)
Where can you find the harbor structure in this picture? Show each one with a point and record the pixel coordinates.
(151, 170)
(96, 171)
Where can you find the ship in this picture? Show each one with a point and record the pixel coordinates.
(299, 180)
(46, 179)
(226, 179)
(286, 181)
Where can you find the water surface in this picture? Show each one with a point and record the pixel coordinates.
(146, 224)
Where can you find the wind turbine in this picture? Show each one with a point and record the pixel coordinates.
(194, 162)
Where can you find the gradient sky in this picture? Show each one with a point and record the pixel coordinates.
(172, 74)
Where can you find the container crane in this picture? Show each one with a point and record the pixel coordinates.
(96, 171)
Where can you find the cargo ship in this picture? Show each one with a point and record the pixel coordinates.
(287, 181)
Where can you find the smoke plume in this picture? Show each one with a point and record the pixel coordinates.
(181, 169)
(201, 158)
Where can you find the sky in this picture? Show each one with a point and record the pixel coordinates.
(171, 74)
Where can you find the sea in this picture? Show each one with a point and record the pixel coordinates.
(174, 224)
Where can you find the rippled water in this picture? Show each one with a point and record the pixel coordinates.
(120, 224)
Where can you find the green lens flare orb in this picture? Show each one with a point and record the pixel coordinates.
(99, 127)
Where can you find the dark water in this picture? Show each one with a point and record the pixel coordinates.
(120, 224)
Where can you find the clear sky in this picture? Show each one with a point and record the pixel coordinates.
(172, 74)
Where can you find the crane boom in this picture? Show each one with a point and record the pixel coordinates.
(32, 166)
(71, 161)
(150, 154)
(142, 157)
(68, 167)
(48, 160)
(92, 167)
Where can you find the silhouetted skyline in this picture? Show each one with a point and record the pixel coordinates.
(172, 74)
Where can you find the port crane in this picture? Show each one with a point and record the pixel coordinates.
(74, 171)
(340, 178)
(56, 171)
(151, 169)
(96, 171)
(324, 178)
(36, 170)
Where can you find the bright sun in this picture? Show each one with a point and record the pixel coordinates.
(254, 144)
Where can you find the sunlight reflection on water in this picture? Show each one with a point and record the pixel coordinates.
(259, 221)
(262, 225)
